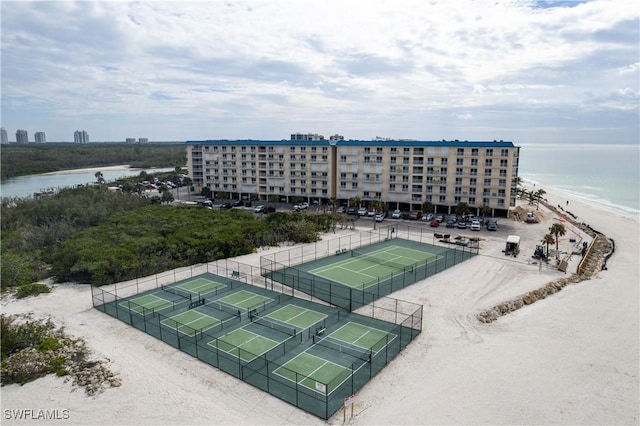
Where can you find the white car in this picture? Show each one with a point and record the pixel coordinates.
(396, 214)
(380, 216)
(475, 225)
(371, 213)
(259, 209)
(362, 211)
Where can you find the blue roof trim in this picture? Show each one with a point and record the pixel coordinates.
(393, 143)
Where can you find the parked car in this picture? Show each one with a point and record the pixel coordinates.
(238, 203)
(352, 210)
(340, 209)
(301, 206)
(271, 209)
(371, 213)
(362, 211)
(226, 206)
(475, 225)
(492, 226)
(259, 209)
(427, 217)
(451, 222)
(434, 223)
(440, 218)
(380, 216)
(461, 224)
(396, 214)
(415, 215)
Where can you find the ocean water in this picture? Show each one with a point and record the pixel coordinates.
(607, 174)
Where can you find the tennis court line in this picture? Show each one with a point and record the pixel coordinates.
(325, 361)
(255, 336)
(288, 321)
(206, 284)
(179, 324)
(127, 304)
(375, 329)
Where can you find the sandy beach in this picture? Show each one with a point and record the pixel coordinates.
(572, 358)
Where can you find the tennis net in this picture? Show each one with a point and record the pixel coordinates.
(373, 259)
(354, 351)
(223, 307)
(274, 325)
(177, 291)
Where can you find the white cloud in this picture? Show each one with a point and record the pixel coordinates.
(356, 67)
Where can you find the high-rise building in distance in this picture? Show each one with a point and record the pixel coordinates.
(130, 140)
(3, 135)
(22, 136)
(40, 137)
(81, 136)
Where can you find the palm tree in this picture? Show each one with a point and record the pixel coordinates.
(538, 194)
(557, 229)
(548, 239)
(462, 208)
(354, 201)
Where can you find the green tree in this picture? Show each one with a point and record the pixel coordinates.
(167, 196)
(548, 239)
(99, 177)
(427, 207)
(557, 229)
(462, 208)
(354, 201)
(375, 205)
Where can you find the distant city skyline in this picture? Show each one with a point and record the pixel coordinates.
(530, 71)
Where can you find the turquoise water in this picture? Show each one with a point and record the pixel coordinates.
(604, 174)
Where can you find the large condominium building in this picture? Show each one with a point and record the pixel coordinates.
(81, 136)
(3, 135)
(22, 136)
(40, 137)
(403, 174)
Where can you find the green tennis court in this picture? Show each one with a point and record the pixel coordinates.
(366, 268)
(314, 373)
(191, 321)
(243, 344)
(146, 304)
(296, 316)
(201, 286)
(245, 299)
(362, 336)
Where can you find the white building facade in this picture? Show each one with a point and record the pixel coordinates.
(40, 137)
(80, 136)
(402, 174)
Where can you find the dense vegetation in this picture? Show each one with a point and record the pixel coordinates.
(21, 160)
(96, 236)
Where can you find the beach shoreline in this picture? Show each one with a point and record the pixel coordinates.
(571, 358)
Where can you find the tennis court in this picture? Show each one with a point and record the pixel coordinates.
(197, 286)
(294, 316)
(146, 304)
(314, 373)
(328, 363)
(190, 322)
(244, 344)
(244, 300)
(364, 269)
(361, 337)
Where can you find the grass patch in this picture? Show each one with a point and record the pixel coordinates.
(32, 290)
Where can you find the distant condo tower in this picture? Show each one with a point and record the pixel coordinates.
(22, 136)
(143, 140)
(130, 140)
(81, 136)
(3, 135)
(40, 137)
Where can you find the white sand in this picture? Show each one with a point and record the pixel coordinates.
(571, 358)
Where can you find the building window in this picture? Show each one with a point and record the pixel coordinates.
(489, 152)
(460, 151)
(460, 162)
(343, 158)
(488, 162)
(444, 161)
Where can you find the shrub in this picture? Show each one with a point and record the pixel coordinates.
(33, 289)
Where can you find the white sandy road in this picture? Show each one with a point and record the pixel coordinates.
(571, 358)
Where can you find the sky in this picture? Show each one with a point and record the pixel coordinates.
(518, 70)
